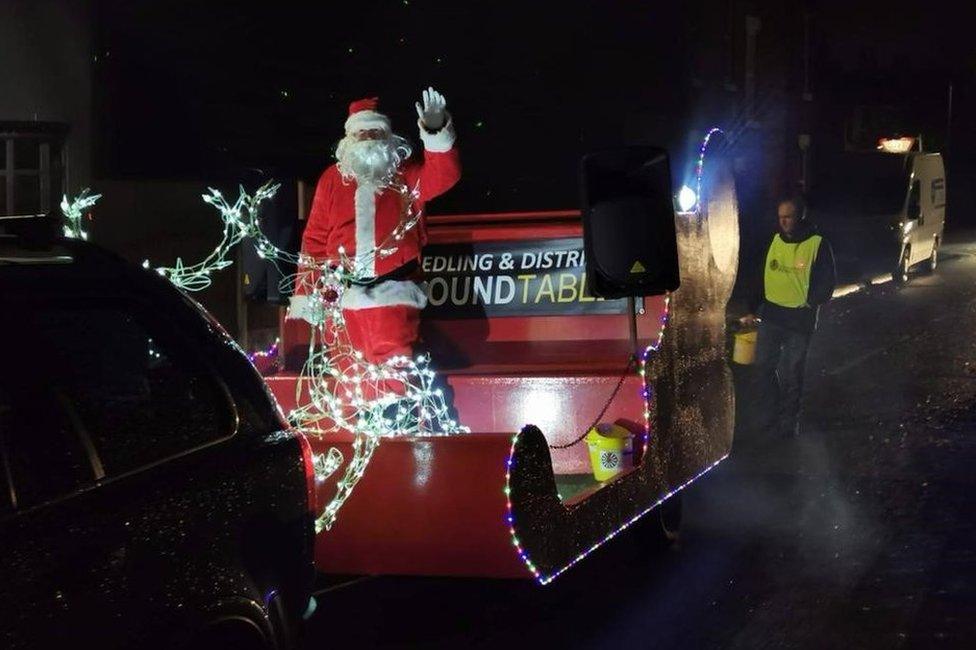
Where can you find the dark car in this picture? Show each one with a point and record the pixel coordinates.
(152, 492)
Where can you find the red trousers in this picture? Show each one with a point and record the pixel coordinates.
(381, 333)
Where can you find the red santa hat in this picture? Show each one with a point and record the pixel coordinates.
(363, 115)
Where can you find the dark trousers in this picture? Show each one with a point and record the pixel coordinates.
(781, 356)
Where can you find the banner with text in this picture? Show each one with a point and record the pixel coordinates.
(543, 277)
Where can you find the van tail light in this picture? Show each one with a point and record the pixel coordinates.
(308, 461)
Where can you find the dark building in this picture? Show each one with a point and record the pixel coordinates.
(161, 100)
(45, 103)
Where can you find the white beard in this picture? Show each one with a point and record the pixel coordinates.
(371, 162)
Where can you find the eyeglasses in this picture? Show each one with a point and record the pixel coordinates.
(370, 134)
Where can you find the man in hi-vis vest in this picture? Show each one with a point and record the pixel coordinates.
(798, 277)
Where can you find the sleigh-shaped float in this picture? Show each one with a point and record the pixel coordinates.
(531, 360)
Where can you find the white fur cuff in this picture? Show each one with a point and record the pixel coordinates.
(439, 141)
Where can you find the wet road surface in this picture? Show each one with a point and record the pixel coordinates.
(860, 534)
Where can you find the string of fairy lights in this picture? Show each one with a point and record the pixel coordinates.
(74, 212)
(270, 352)
(338, 389)
(647, 395)
(647, 392)
(241, 222)
(700, 165)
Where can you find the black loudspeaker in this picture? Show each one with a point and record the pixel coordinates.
(628, 222)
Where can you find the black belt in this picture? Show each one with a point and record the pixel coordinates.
(401, 273)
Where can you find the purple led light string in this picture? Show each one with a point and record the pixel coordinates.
(523, 554)
(647, 394)
(547, 579)
(701, 165)
(510, 518)
(263, 354)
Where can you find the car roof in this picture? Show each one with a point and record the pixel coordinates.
(35, 256)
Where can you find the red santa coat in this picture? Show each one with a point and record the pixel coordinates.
(359, 219)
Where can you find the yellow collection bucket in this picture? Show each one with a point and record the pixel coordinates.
(744, 352)
(611, 450)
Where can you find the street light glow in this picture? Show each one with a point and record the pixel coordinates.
(896, 145)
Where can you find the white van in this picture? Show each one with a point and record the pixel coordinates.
(882, 212)
(923, 219)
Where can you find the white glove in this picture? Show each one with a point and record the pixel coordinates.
(300, 307)
(432, 112)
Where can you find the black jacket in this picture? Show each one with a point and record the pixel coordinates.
(822, 282)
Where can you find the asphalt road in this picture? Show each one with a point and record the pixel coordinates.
(860, 534)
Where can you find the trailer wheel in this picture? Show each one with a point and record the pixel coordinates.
(900, 274)
(661, 528)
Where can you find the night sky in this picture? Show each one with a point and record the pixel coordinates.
(201, 90)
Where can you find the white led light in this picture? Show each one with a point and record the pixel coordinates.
(341, 390)
(74, 211)
(687, 198)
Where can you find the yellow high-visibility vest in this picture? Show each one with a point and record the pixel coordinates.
(788, 268)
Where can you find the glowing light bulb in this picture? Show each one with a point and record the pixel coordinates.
(687, 199)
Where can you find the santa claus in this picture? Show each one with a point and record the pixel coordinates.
(368, 214)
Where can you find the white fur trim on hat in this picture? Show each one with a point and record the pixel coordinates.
(385, 294)
(362, 120)
(439, 141)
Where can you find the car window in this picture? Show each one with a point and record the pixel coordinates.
(136, 391)
(44, 457)
(858, 185)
